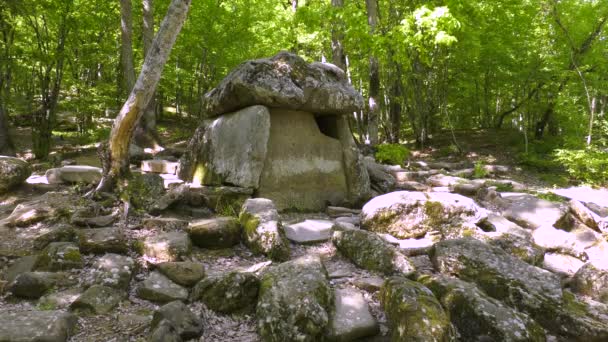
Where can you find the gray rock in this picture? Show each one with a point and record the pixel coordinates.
(584, 214)
(184, 273)
(592, 280)
(54, 233)
(407, 214)
(33, 285)
(13, 172)
(351, 318)
(36, 326)
(369, 251)
(160, 289)
(336, 212)
(231, 149)
(165, 332)
(572, 243)
(21, 265)
(169, 246)
(262, 229)
(294, 301)
(229, 292)
(285, 81)
(561, 264)
(528, 288)
(413, 312)
(112, 270)
(381, 180)
(186, 324)
(411, 186)
(309, 231)
(159, 166)
(369, 284)
(532, 212)
(224, 200)
(60, 256)
(60, 299)
(466, 189)
(102, 240)
(164, 224)
(98, 299)
(74, 174)
(479, 317)
(220, 232)
(441, 180)
(145, 189)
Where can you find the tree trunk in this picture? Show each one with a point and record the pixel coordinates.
(148, 36)
(337, 35)
(395, 105)
(140, 96)
(6, 144)
(374, 77)
(126, 40)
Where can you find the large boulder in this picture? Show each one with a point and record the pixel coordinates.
(413, 312)
(295, 301)
(285, 81)
(592, 280)
(369, 251)
(525, 287)
(186, 324)
(74, 174)
(220, 232)
(229, 292)
(13, 172)
(410, 214)
(28, 325)
(262, 229)
(532, 212)
(493, 320)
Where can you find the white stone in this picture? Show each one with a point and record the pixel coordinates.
(309, 231)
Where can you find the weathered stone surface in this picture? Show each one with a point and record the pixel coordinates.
(36, 326)
(351, 319)
(159, 166)
(229, 292)
(294, 301)
(512, 238)
(51, 206)
(60, 256)
(185, 273)
(33, 285)
(371, 252)
(164, 332)
(160, 289)
(572, 243)
(306, 175)
(413, 312)
(169, 246)
(564, 265)
(336, 212)
(309, 231)
(381, 180)
(285, 81)
(97, 299)
(145, 189)
(13, 172)
(411, 186)
(164, 224)
(186, 324)
(102, 240)
(21, 265)
(584, 214)
(407, 214)
(229, 150)
(479, 317)
(52, 233)
(592, 280)
(112, 270)
(60, 299)
(93, 221)
(528, 288)
(262, 229)
(220, 232)
(441, 180)
(369, 284)
(532, 212)
(74, 174)
(357, 177)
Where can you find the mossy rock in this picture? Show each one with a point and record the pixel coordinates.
(228, 293)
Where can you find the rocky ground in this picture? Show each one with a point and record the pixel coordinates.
(435, 255)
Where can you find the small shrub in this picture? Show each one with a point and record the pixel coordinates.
(480, 170)
(589, 165)
(448, 151)
(394, 154)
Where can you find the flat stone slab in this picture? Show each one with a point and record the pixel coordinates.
(159, 166)
(585, 194)
(74, 174)
(309, 231)
(102, 240)
(351, 320)
(532, 212)
(160, 289)
(35, 326)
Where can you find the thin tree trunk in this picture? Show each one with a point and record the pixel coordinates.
(374, 77)
(148, 37)
(117, 166)
(395, 107)
(126, 39)
(337, 35)
(6, 144)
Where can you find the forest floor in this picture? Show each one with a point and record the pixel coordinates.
(130, 320)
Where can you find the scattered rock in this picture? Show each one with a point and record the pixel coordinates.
(228, 293)
(224, 200)
(60, 299)
(165, 332)
(564, 265)
(335, 212)
(406, 214)
(351, 318)
(145, 189)
(164, 224)
(186, 324)
(13, 172)
(30, 326)
(532, 212)
(294, 301)
(97, 299)
(411, 186)
(221, 232)
(102, 240)
(413, 312)
(21, 265)
(169, 246)
(159, 166)
(32, 285)
(54, 233)
(60, 256)
(369, 251)
(160, 289)
(262, 230)
(592, 280)
(571, 243)
(74, 174)
(184, 273)
(112, 270)
(584, 214)
(309, 231)
(381, 180)
(493, 320)
(369, 284)
(441, 180)
(84, 218)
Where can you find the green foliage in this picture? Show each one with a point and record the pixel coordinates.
(393, 154)
(549, 196)
(588, 165)
(479, 171)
